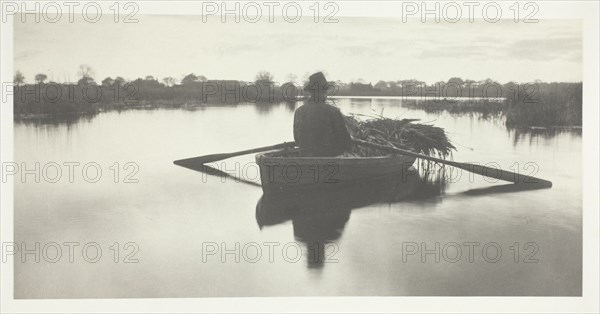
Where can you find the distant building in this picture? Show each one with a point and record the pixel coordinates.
(359, 87)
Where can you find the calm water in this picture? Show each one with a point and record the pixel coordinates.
(176, 216)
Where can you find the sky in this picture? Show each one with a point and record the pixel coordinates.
(370, 49)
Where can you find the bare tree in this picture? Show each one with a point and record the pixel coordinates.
(381, 85)
(19, 79)
(85, 80)
(188, 79)
(119, 81)
(108, 81)
(86, 73)
(40, 78)
(263, 77)
(456, 80)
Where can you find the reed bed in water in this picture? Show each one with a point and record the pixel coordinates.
(405, 134)
(485, 107)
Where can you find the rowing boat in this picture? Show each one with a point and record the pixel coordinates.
(314, 204)
(284, 170)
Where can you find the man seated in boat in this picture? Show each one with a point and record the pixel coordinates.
(319, 128)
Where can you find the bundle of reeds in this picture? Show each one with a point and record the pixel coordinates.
(405, 134)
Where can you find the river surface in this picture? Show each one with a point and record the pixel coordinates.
(168, 231)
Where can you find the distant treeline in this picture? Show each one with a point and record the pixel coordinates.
(532, 104)
(524, 105)
(54, 98)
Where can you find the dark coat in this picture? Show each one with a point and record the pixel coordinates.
(320, 130)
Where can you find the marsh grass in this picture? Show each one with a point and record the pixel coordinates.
(484, 107)
(545, 105)
(548, 105)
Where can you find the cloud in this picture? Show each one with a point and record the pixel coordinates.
(476, 51)
(27, 54)
(373, 48)
(543, 49)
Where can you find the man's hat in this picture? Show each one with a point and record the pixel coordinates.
(317, 81)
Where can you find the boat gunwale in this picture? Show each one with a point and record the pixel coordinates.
(360, 168)
(264, 156)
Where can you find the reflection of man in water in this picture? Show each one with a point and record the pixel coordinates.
(319, 128)
(318, 231)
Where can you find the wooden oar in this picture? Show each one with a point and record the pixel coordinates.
(216, 157)
(222, 174)
(477, 169)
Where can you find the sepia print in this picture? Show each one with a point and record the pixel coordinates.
(283, 149)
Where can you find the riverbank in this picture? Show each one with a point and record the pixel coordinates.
(548, 105)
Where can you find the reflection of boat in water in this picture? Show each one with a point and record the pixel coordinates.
(319, 216)
(274, 208)
(284, 170)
